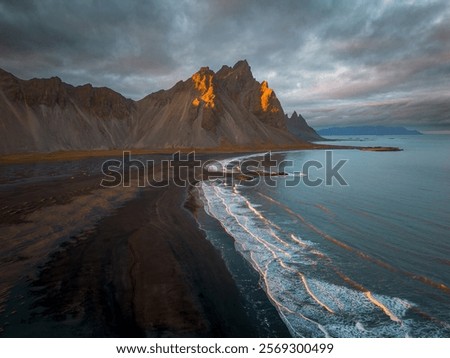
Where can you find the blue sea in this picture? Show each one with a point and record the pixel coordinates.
(366, 259)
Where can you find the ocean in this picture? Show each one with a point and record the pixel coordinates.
(367, 259)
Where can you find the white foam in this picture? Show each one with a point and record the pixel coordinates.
(360, 326)
(287, 265)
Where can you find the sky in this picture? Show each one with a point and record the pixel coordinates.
(335, 62)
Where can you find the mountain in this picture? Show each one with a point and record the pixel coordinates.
(227, 109)
(224, 109)
(367, 130)
(297, 125)
(45, 115)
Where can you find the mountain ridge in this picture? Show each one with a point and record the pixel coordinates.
(208, 110)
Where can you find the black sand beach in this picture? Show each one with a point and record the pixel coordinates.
(143, 269)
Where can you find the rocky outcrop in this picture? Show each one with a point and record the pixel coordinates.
(297, 125)
(227, 109)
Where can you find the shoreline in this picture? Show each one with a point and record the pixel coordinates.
(119, 291)
(29, 157)
(266, 317)
(145, 270)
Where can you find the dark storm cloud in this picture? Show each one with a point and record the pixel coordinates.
(335, 62)
(100, 42)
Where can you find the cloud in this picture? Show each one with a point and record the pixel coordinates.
(417, 112)
(335, 62)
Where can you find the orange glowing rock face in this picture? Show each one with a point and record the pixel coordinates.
(266, 94)
(203, 83)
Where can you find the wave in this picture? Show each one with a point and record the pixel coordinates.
(423, 279)
(288, 265)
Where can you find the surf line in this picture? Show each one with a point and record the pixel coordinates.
(271, 247)
(298, 314)
(263, 272)
(278, 305)
(385, 265)
(302, 277)
(305, 284)
(358, 286)
(383, 307)
(268, 223)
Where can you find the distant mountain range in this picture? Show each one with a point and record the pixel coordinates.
(226, 109)
(367, 130)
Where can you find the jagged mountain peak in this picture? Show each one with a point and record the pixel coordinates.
(227, 109)
(238, 83)
(297, 125)
(243, 69)
(242, 64)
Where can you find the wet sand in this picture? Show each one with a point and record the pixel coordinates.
(144, 269)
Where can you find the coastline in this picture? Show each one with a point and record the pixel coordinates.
(316, 213)
(178, 293)
(26, 157)
(264, 314)
(145, 270)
